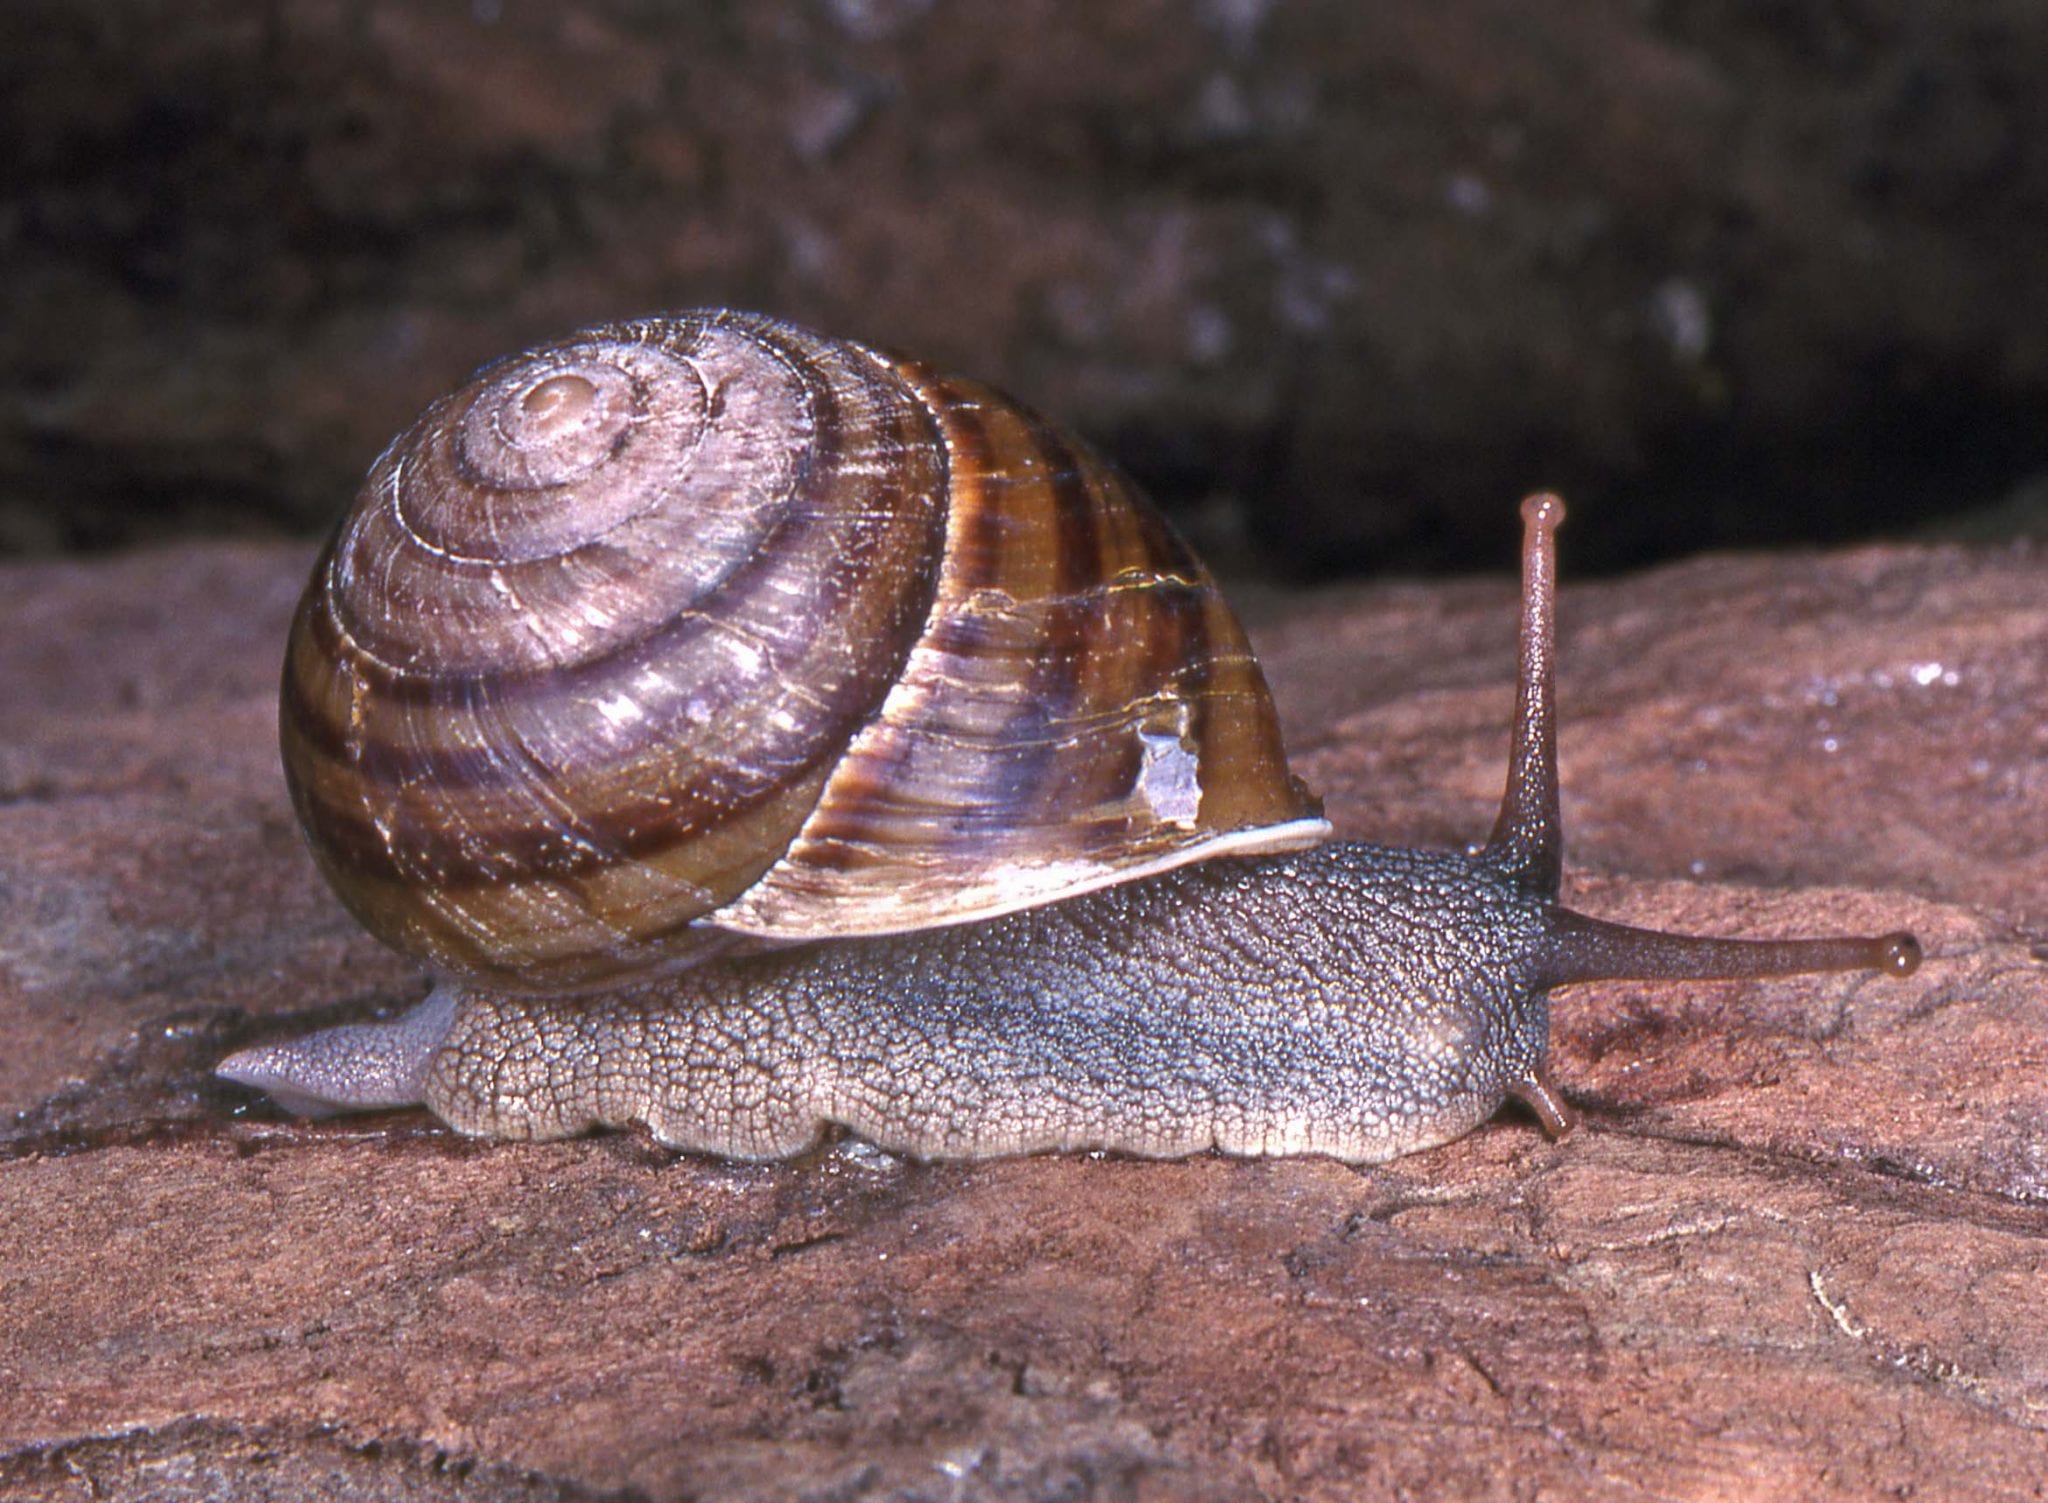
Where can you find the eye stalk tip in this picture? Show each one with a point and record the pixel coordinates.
(1898, 954)
(1543, 511)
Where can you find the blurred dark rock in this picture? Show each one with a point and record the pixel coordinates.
(1341, 279)
(1795, 1250)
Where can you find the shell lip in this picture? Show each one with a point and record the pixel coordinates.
(764, 916)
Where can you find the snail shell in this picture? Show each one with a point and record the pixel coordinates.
(704, 631)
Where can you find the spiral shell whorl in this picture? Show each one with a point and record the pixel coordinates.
(705, 623)
(575, 667)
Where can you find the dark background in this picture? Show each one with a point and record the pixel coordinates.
(1338, 281)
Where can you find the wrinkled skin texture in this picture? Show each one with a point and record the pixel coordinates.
(1284, 1005)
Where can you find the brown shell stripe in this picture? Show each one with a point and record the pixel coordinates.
(1074, 642)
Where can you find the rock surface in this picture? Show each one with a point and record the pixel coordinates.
(1353, 272)
(1798, 1248)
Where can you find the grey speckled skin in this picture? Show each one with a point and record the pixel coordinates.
(1298, 1004)
(1355, 1001)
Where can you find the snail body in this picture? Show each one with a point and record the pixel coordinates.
(756, 732)
(1213, 1006)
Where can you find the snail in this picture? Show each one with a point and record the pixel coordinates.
(756, 732)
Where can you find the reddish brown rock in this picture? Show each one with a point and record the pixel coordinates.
(1797, 1249)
